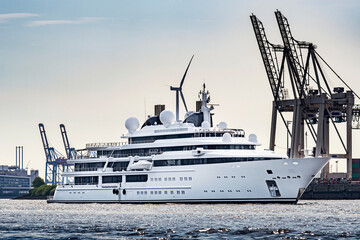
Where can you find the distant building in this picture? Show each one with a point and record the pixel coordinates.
(15, 182)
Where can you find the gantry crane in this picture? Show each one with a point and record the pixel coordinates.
(312, 100)
(56, 163)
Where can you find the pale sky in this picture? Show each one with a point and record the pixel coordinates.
(92, 64)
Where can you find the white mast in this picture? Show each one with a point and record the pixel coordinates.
(205, 98)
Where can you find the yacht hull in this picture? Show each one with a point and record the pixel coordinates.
(270, 181)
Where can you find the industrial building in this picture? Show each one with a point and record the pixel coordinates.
(15, 180)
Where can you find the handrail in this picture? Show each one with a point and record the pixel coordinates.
(233, 131)
(110, 144)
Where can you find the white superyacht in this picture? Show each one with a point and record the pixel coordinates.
(188, 161)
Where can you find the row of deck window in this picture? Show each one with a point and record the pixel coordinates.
(184, 135)
(116, 166)
(119, 166)
(151, 151)
(171, 179)
(129, 178)
(160, 192)
(197, 161)
(110, 179)
(223, 191)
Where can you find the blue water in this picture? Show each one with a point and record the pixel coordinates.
(35, 219)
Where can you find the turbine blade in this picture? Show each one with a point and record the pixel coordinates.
(182, 96)
(182, 80)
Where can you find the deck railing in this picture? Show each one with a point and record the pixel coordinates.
(109, 144)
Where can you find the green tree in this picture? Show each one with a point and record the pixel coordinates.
(38, 181)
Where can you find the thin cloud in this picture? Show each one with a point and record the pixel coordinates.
(7, 16)
(62, 22)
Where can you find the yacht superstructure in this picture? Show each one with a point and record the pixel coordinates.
(189, 161)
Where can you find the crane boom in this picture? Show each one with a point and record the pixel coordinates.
(44, 139)
(265, 49)
(290, 43)
(70, 152)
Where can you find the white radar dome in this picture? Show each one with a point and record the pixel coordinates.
(222, 125)
(227, 138)
(253, 138)
(167, 117)
(132, 124)
(205, 125)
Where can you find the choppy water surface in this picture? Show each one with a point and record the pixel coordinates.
(35, 219)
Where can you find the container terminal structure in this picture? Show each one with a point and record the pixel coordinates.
(311, 101)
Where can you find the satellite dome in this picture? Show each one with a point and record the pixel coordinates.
(167, 117)
(205, 125)
(222, 125)
(227, 138)
(253, 138)
(132, 124)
